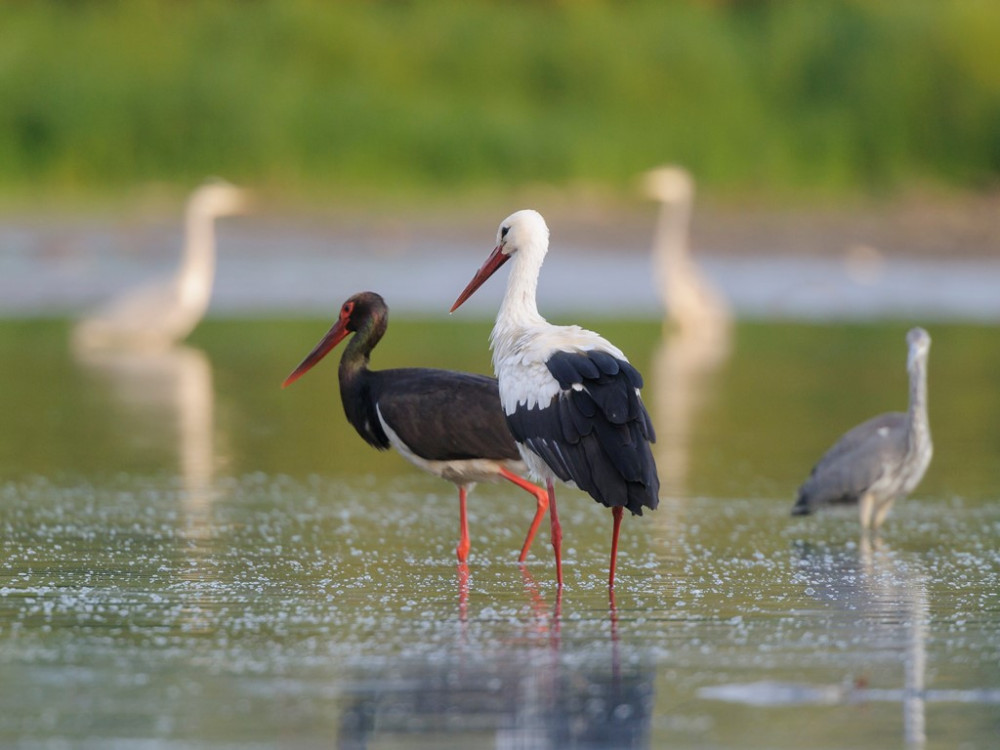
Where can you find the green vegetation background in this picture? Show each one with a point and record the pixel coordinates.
(818, 99)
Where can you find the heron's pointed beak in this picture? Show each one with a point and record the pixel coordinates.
(497, 258)
(334, 336)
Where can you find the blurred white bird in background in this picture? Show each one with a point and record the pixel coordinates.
(696, 335)
(158, 315)
(691, 302)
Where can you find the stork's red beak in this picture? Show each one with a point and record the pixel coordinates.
(497, 258)
(334, 336)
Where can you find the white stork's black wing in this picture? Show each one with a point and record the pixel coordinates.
(596, 431)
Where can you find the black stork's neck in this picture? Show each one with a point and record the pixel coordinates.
(356, 386)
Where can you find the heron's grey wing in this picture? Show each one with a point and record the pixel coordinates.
(856, 461)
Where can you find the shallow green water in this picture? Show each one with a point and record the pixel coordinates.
(193, 557)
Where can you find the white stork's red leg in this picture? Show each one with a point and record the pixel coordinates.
(617, 515)
(463, 520)
(556, 531)
(463, 591)
(543, 505)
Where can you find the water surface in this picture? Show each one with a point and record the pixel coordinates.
(195, 558)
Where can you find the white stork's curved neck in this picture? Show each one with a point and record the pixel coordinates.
(519, 304)
(519, 309)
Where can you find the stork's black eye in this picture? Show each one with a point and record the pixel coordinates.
(503, 232)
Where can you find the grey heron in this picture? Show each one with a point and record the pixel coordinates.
(881, 459)
(157, 315)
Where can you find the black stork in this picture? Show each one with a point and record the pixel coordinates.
(571, 398)
(450, 424)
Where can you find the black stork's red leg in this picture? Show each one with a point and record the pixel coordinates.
(463, 525)
(542, 499)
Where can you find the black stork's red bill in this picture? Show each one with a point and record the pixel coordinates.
(571, 398)
(450, 424)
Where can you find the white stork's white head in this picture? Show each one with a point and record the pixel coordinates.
(522, 231)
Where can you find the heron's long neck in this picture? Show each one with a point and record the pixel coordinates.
(198, 259)
(918, 402)
(519, 309)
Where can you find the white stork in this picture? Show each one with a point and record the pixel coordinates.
(571, 398)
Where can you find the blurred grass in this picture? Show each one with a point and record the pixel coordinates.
(829, 98)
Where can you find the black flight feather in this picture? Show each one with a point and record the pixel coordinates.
(596, 432)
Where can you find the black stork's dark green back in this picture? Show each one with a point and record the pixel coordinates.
(439, 415)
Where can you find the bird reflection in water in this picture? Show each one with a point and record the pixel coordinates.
(685, 371)
(879, 600)
(519, 692)
(544, 620)
(133, 344)
(886, 595)
(165, 389)
(697, 331)
(167, 396)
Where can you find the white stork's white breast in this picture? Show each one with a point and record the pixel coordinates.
(520, 362)
(526, 385)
